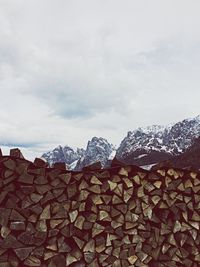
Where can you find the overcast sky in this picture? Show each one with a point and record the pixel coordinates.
(74, 69)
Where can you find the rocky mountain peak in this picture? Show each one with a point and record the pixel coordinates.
(65, 154)
(98, 149)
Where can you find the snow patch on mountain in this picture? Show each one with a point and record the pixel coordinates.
(72, 165)
(112, 155)
(148, 167)
(140, 156)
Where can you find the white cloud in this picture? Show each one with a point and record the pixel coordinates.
(73, 69)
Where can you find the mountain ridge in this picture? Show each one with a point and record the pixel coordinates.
(158, 143)
(142, 146)
(190, 159)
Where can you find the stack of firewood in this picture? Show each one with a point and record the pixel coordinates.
(122, 216)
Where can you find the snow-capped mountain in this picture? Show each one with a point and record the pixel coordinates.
(143, 146)
(98, 149)
(65, 154)
(156, 143)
